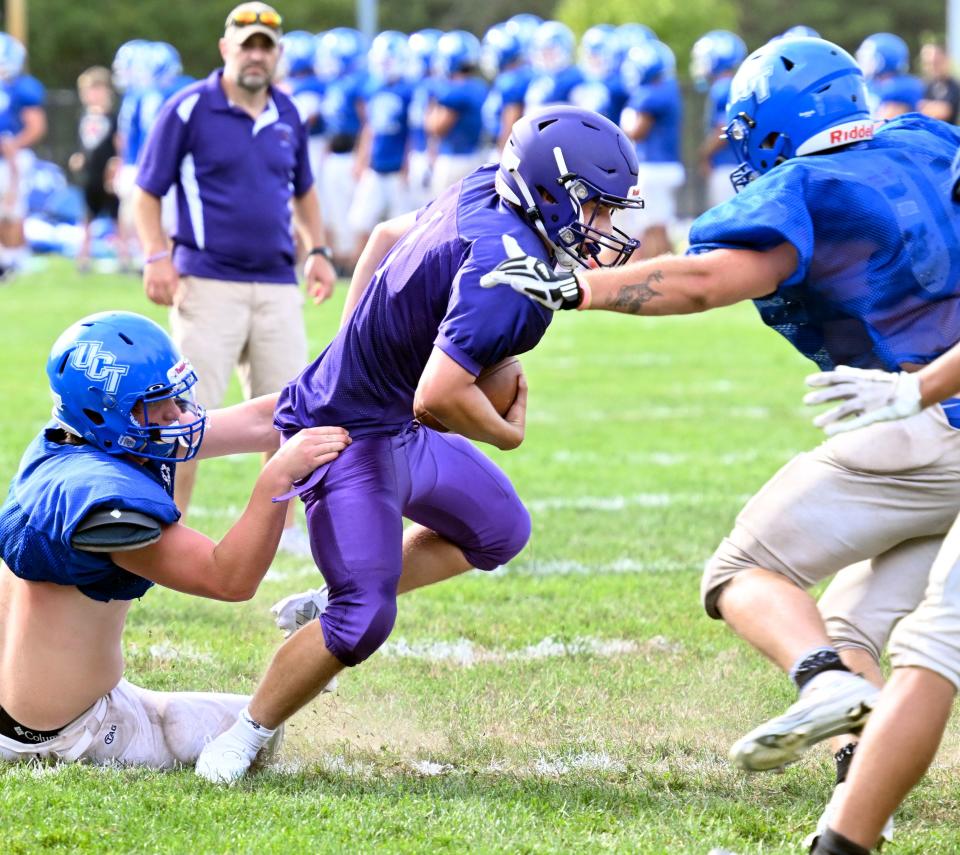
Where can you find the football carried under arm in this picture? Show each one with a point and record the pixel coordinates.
(667, 285)
(491, 408)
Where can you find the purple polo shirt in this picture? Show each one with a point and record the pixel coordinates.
(235, 177)
(426, 293)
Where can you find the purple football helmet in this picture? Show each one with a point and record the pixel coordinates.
(559, 158)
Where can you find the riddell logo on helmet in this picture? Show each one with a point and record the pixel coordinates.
(839, 136)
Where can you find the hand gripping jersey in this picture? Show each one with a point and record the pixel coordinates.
(425, 293)
(55, 489)
(877, 283)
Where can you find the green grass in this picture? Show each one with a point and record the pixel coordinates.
(644, 438)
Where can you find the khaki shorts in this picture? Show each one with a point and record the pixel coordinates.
(255, 327)
(884, 495)
(930, 636)
(136, 727)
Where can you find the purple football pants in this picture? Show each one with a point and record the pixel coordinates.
(354, 518)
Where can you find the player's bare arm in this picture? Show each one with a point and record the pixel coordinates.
(188, 561)
(449, 392)
(381, 241)
(241, 429)
(666, 285)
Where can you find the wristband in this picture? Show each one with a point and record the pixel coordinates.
(586, 294)
(325, 251)
(157, 256)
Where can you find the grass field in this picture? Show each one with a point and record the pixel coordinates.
(577, 700)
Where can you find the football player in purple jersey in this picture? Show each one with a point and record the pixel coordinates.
(416, 334)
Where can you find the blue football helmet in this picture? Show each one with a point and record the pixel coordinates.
(556, 159)
(423, 45)
(108, 365)
(629, 35)
(457, 52)
(523, 26)
(129, 57)
(598, 54)
(883, 53)
(716, 52)
(500, 47)
(553, 48)
(794, 97)
(389, 57)
(12, 57)
(162, 64)
(339, 51)
(646, 63)
(296, 57)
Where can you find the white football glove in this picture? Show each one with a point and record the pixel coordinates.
(535, 279)
(869, 395)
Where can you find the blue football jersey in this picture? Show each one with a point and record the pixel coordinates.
(897, 89)
(465, 96)
(663, 101)
(387, 113)
(508, 88)
(307, 93)
(417, 113)
(55, 489)
(877, 283)
(15, 96)
(552, 88)
(340, 104)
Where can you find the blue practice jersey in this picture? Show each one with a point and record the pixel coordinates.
(426, 293)
(307, 93)
(387, 112)
(552, 88)
(661, 100)
(465, 96)
(55, 489)
(15, 96)
(509, 88)
(417, 114)
(877, 283)
(340, 100)
(715, 116)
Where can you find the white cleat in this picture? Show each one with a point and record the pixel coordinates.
(810, 841)
(835, 702)
(296, 611)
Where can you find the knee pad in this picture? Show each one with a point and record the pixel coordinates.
(355, 625)
(506, 541)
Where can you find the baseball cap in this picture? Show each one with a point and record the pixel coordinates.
(247, 19)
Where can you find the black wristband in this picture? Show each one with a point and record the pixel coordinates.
(325, 251)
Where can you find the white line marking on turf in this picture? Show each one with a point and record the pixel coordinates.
(465, 653)
(588, 761)
(566, 567)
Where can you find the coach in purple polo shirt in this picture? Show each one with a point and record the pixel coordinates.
(236, 150)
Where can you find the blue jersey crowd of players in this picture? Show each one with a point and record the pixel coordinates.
(394, 121)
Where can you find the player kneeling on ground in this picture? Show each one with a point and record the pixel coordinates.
(90, 524)
(418, 333)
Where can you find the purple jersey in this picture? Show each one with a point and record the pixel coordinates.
(425, 293)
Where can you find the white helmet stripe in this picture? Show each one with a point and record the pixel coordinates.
(849, 132)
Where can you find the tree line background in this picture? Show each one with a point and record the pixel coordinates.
(65, 38)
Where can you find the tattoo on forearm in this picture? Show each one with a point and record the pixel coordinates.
(630, 298)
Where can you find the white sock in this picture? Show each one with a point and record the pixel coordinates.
(249, 732)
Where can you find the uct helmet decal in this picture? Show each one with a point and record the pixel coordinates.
(99, 365)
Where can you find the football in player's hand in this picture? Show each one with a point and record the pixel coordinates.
(498, 382)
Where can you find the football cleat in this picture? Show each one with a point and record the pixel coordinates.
(296, 611)
(836, 702)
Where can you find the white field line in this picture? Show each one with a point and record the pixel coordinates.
(567, 567)
(620, 503)
(465, 653)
